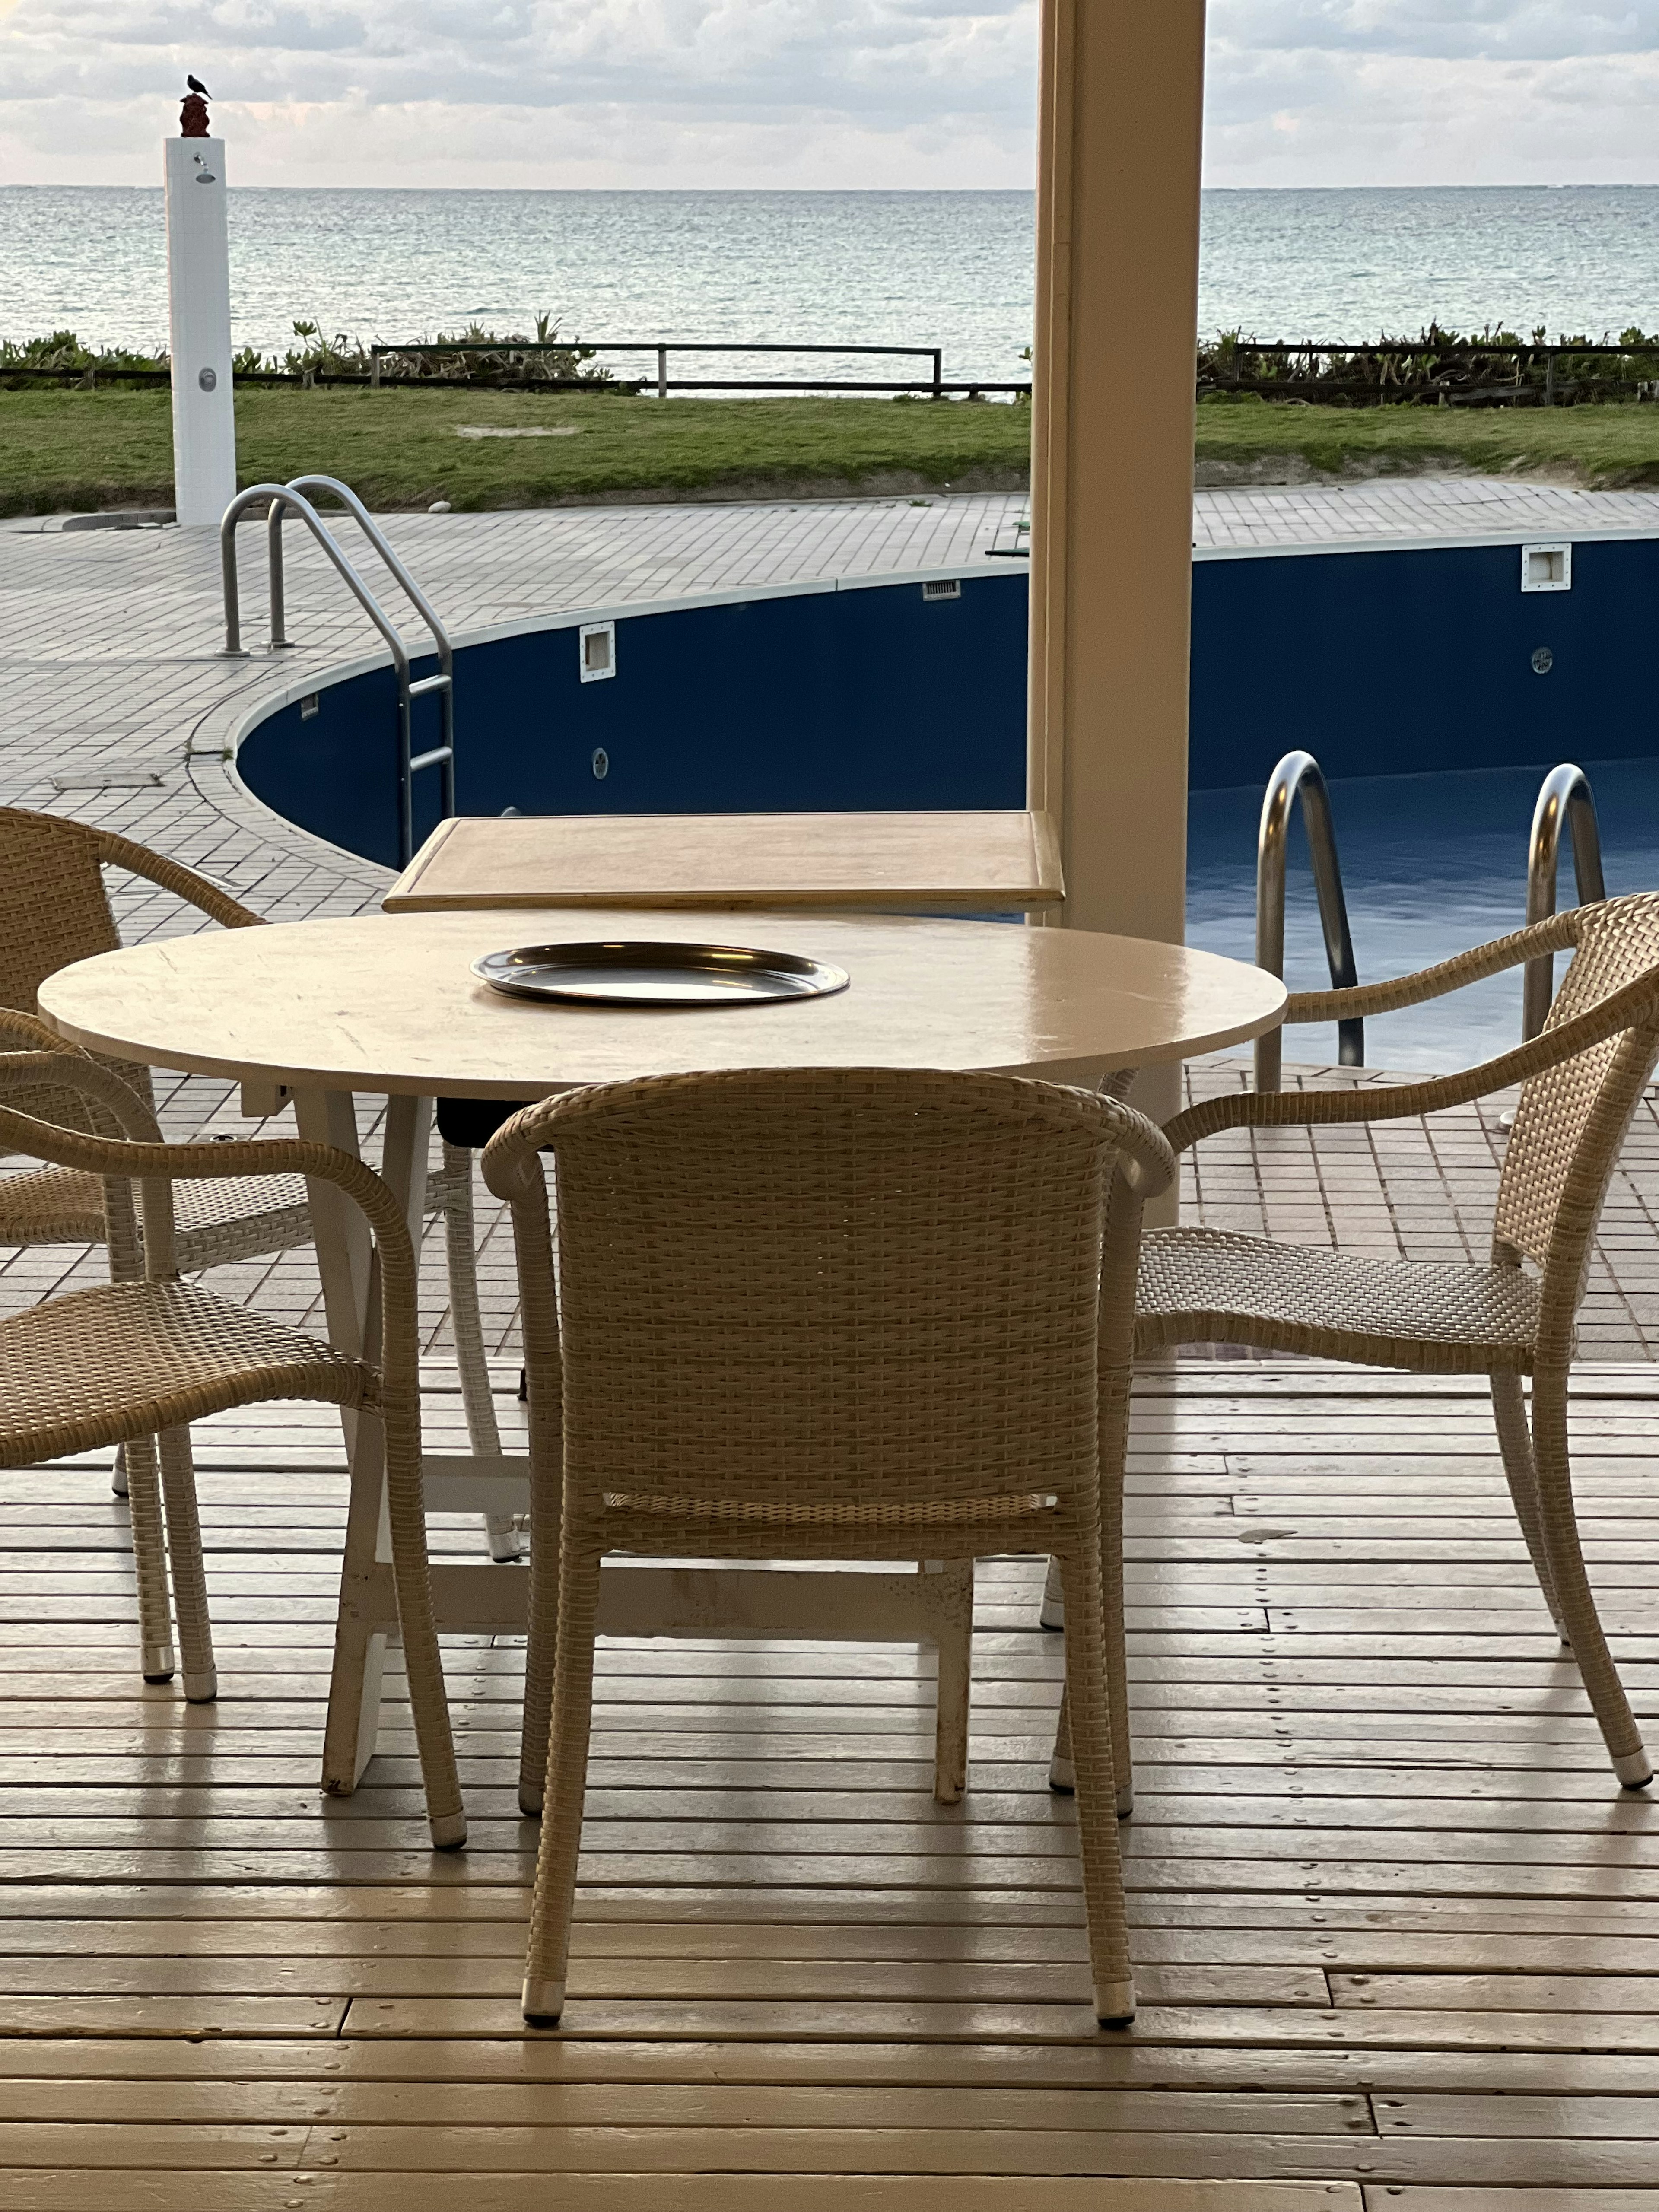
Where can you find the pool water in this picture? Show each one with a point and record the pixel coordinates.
(1431, 864)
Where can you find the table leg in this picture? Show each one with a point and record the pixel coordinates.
(346, 1264)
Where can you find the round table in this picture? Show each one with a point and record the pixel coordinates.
(386, 1004)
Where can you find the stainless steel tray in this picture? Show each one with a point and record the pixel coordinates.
(630, 972)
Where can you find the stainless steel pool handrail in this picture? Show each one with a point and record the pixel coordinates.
(442, 685)
(1298, 776)
(1565, 792)
(282, 497)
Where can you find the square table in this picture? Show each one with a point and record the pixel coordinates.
(946, 861)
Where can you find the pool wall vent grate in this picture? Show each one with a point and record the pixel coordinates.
(946, 588)
(1546, 568)
(596, 650)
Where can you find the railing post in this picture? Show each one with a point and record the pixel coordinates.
(1564, 790)
(374, 369)
(234, 648)
(939, 372)
(405, 776)
(1298, 775)
(662, 372)
(274, 564)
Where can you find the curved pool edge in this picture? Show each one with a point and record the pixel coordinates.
(218, 745)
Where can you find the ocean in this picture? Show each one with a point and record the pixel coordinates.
(948, 268)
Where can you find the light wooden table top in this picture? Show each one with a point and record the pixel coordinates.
(952, 861)
(386, 1003)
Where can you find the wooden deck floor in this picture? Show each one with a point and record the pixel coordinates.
(1397, 1929)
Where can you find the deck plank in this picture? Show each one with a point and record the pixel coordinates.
(1396, 1927)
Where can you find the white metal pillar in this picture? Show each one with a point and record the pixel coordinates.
(198, 290)
(1120, 150)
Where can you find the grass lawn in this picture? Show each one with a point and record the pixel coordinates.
(78, 450)
(1599, 447)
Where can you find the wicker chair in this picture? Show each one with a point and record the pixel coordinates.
(137, 1360)
(1581, 1080)
(54, 909)
(818, 1315)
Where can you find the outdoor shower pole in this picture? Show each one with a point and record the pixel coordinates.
(1120, 133)
(198, 292)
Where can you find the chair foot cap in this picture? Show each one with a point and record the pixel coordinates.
(1115, 2004)
(202, 1689)
(543, 2002)
(1062, 1776)
(118, 1483)
(449, 1832)
(1053, 1614)
(159, 1663)
(1126, 1802)
(1635, 1770)
(530, 1804)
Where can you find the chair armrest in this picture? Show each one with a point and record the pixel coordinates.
(29, 1030)
(117, 852)
(1622, 1010)
(1147, 1162)
(1539, 939)
(150, 1159)
(66, 1067)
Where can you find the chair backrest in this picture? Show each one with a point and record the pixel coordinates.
(53, 905)
(53, 910)
(1571, 1120)
(830, 1288)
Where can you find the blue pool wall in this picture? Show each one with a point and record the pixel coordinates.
(1395, 660)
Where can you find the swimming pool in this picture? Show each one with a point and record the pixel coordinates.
(1435, 683)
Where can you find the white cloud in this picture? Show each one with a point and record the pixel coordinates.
(891, 92)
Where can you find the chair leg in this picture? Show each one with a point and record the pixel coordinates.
(1508, 1406)
(1062, 1770)
(1053, 1614)
(546, 1517)
(190, 1595)
(405, 1502)
(548, 1952)
(1572, 1584)
(142, 1488)
(949, 1599)
(461, 1255)
(1116, 1385)
(118, 1474)
(540, 1648)
(1089, 1712)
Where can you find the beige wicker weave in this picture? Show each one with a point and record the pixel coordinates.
(141, 1359)
(1581, 1079)
(53, 910)
(818, 1315)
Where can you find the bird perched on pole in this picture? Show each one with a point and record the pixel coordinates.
(193, 114)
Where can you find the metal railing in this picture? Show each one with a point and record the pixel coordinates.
(933, 386)
(1565, 792)
(291, 496)
(1298, 776)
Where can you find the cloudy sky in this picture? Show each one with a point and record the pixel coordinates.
(808, 93)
